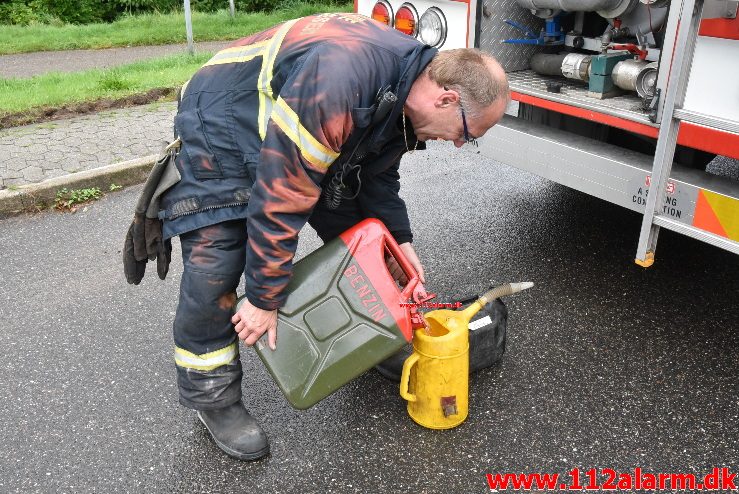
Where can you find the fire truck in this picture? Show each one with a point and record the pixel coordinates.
(631, 101)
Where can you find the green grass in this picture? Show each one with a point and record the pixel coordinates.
(151, 29)
(57, 89)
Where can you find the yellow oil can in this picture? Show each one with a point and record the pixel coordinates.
(435, 378)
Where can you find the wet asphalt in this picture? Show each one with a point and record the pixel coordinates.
(608, 365)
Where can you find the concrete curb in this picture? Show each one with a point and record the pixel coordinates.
(41, 195)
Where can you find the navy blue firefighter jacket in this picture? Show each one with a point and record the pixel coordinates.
(267, 120)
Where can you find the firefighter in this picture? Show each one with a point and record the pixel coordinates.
(304, 122)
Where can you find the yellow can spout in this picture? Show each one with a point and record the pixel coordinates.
(452, 319)
(497, 292)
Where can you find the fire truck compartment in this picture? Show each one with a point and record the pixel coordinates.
(575, 93)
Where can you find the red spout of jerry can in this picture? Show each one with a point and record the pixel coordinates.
(420, 295)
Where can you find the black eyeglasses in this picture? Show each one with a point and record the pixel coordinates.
(467, 138)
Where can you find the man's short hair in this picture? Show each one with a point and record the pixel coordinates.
(466, 71)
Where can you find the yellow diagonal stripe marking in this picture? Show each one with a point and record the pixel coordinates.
(727, 211)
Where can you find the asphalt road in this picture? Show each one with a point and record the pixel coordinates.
(608, 365)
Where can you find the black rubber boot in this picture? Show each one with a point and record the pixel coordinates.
(487, 342)
(236, 432)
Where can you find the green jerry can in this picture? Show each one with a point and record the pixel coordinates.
(344, 313)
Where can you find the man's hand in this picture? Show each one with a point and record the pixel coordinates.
(252, 322)
(395, 269)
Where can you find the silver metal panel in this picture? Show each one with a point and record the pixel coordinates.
(628, 106)
(710, 63)
(713, 88)
(709, 121)
(568, 159)
(493, 30)
(512, 108)
(719, 8)
(609, 172)
(730, 9)
(701, 235)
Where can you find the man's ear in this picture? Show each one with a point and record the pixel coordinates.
(448, 97)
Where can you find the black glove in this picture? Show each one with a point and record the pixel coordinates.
(143, 244)
(144, 241)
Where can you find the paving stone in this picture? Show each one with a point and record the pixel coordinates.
(72, 168)
(23, 141)
(10, 182)
(55, 173)
(85, 142)
(33, 174)
(42, 131)
(37, 148)
(55, 155)
(16, 165)
(89, 148)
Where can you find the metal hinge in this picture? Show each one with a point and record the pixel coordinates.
(730, 12)
(651, 107)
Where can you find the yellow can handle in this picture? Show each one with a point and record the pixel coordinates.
(406, 375)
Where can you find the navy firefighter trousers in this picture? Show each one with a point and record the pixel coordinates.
(206, 345)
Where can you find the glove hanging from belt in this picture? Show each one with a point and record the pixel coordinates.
(144, 240)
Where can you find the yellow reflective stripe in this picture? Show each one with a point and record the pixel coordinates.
(238, 54)
(726, 210)
(206, 361)
(311, 149)
(265, 76)
(238, 49)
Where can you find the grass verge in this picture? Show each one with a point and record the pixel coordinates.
(38, 98)
(56, 89)
(151, 29)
